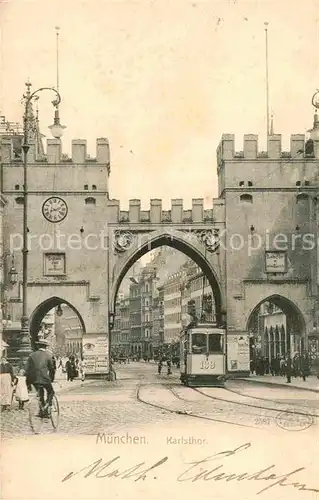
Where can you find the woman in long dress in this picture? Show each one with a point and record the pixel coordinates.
(6, 381)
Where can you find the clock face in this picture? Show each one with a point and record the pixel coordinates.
(55, 209)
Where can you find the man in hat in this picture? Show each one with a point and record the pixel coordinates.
(40, 373)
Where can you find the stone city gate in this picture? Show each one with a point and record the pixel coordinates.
(260, 195)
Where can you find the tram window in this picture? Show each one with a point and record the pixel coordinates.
(215, 343)
(199, 343)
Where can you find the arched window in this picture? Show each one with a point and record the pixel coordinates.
(246, 198)
(86, 187)
(266, 342)
(283, 340)
(17, 187)
(19, 200)
(250, 183)
(272, 343)
(90, 201)
(298, 183)
(242, 183)
(277, 340)
(93, 187)
(309, 148)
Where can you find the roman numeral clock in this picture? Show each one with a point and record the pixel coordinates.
(54, 209)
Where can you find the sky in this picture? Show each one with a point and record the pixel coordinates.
(162, 80)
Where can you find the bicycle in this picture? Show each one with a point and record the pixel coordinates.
(41, 413)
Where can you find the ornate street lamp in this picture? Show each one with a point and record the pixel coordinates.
(25, 341)
(13, 275)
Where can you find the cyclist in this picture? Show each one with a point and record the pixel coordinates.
(40, 373)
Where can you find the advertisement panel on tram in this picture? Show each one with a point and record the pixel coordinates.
(238, 358)
(95, 354)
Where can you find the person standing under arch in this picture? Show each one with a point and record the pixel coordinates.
(288, 367)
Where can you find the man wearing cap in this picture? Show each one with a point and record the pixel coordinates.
(40, 373)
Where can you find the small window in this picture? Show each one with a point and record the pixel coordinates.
(302, 197)
(242, 183)
(246, 198)
(215, 343)
(307, 183)
(19, 200)
(199, 345)
(86, 187)
(250, 183)
(93, 187)
(298, 183)
(90, 201)
(17, 187)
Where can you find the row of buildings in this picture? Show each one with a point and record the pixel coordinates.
(155, 309)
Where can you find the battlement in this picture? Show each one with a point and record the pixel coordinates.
(298, 148)
(10, 153)
(155, 215)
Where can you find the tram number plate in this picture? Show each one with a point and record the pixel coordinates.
(206, 365)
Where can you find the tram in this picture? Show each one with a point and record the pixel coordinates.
(203, 355)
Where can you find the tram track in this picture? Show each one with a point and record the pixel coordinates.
(181, 412)
(190, 401)
(249, 405)
(260, 398)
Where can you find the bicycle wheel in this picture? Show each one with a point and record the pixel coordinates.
(55, 413)
(36, 421)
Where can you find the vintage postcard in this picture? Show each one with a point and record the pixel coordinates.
(159, 265)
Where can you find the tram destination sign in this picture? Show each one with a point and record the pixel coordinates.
(275, 261)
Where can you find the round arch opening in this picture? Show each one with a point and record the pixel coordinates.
(276, 327)
(147, 343)
(61, 323)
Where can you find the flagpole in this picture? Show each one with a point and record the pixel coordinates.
(267, 77)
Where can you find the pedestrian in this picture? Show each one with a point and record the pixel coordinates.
(160, 365)
(21, 392)
(304, 366)
(296, 365)
(69, 370)
(288, 367)
(81, 368)
(169, 366)
(6, 381)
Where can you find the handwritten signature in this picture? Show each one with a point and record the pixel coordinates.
(198, 470)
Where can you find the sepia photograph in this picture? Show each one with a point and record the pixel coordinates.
(159, 257)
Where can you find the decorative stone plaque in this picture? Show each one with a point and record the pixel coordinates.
(54, 264)
(275, 261)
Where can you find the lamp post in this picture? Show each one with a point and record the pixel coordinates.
(25, 343)
(8, 278)
(111, 326)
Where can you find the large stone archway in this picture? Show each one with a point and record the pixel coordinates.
(129, 246)
(42, 309)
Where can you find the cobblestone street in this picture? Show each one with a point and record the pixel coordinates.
(102, 407)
